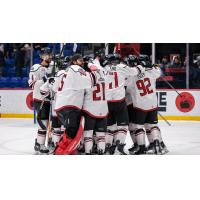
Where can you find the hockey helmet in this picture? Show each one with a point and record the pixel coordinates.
(144, 60)
(131, 60)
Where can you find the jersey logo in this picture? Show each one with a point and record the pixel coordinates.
(82, 71)
(140, 76)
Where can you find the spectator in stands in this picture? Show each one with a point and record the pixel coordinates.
(27, 56)
(19, 58)
(9, 50)
(176, 62)
(197, 63)
(164, 64)
(2, 61)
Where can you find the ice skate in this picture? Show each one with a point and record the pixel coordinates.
(40, 149)
(119, 149)
(110, 149)
(164, 148)
(133, 149)
(141, 150)
(150, 148)
(157, 147)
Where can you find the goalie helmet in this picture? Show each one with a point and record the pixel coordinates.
(131, 60)
(46, 54)
(144, 60)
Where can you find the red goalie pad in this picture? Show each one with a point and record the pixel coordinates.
(67, 146)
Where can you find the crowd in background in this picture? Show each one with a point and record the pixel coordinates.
(15, 63)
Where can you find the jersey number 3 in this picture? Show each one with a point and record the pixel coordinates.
(144, 86)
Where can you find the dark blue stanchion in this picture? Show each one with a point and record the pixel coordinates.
(34, 113)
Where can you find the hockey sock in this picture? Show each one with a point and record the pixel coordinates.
(149, 136)
(88, 141)
(140, 136)
(155, 132)
(121, 134)
(132, 133)
(41, 136)
(110, 134)
(101, 141)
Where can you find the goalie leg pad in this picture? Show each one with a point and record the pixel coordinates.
(67, 145)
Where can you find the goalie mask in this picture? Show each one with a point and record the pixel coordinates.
(46, 54)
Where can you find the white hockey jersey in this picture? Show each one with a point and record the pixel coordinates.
(73, 84)
(51, 89)
(95, 100)
(36, 75)
(143, 90)
(116, 77)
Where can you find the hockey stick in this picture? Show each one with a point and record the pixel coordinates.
(57, 60)
(171, 86)
(167, 82)
(49, 124)
(164, 119)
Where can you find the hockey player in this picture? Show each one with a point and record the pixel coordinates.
(143, 92)
(50, 88)
(117, 122)
(37, 77)
(131, 61)
(69, 103)
(95, 112)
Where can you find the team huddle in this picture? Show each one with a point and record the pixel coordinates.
(88, 105)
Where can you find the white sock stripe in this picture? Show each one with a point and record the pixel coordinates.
(124, 132)
(154, 128)
(56, 134)
(102, 140)
(42, 135)
(140, 133)
(123, 129)
(88, 139)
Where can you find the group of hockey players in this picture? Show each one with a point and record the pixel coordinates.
(88, 105)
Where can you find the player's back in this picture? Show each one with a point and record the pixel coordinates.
(95, 101)
(71, 90)
(116, 82)
(143, 90)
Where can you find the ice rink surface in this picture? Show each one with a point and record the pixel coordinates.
(17, 137)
